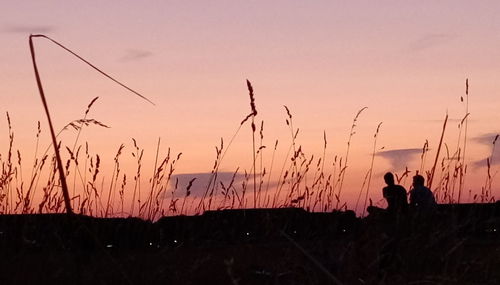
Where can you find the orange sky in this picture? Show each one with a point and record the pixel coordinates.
(324, 60)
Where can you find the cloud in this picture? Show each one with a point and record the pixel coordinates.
(441, 121)
(199, 185)
(494, 156)
(486, 139)
(28, 29)
(400, 158)
(430, 41)
(135, 54)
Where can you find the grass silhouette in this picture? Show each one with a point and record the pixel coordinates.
(62, 176)
(303, 180)
(426, 254)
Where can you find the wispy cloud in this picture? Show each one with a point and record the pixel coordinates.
(199, 185)
(488, 139)
(135, 54)
(400, 158)
(441, 121)
(430, 41)
(28, 29)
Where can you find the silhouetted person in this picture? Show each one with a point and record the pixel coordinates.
(395, 195)
(397, 209)
(421, 197)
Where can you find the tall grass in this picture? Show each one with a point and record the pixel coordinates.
(100, 194)
(466, 122)
(59, 165)
(433, 170)
(302, 180)
(370, 171)
(344, 169)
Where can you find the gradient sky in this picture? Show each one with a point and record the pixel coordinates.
(406, 61)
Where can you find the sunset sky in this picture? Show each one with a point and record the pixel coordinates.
(407, 61)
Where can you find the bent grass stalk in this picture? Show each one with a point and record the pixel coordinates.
(62, 177)
(296, 178)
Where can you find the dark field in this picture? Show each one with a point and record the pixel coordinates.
(460, 244)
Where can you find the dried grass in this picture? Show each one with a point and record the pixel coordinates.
(315, 184)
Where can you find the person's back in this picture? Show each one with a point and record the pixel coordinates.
(421, 197)
(396, 198)
(395, 195)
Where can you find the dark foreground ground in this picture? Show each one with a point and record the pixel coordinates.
(460, 244)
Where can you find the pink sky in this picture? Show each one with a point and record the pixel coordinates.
(406, 61)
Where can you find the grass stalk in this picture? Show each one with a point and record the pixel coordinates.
(351, 134)
(62, 177)
(433, 170)
(462, 177)
(371, 167)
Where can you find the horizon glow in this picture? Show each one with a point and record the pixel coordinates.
(324, 60)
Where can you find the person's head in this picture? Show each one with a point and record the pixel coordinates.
(418, 180)
(389, 178)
